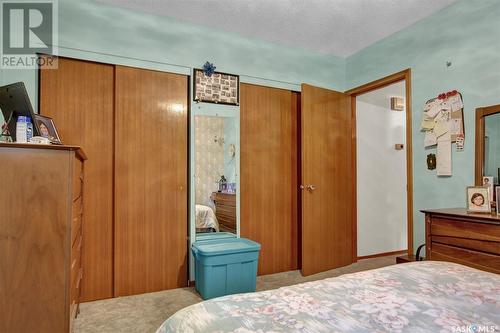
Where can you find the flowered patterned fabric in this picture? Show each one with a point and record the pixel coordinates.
(426, 296)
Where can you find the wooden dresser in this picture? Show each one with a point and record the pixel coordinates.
(470, 239)
(225, 210)
(40, 236)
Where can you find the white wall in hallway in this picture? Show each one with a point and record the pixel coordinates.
(381, 172)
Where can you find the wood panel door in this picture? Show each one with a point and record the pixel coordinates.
(327, 178)
(269, 209)
(79, 97)
(150, 181)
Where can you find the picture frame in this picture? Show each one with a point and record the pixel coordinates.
(46, 128)
(497, 190)
(219, 88)
(478, 199)
(490, 183)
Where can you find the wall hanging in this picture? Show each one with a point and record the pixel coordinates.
(220, 88)
(443, 123)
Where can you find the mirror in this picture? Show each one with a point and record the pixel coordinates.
(492, 146)
(487, 150)
(215, 154)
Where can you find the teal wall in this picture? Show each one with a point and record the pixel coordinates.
(467, 34)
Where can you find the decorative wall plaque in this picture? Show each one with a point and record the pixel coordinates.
(220, 88)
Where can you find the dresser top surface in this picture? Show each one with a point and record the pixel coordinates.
(78, 150)
(462, 213)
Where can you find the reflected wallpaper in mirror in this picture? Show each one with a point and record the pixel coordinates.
(492, 146)
(215, 170)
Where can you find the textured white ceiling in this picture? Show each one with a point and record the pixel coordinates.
(339, 27)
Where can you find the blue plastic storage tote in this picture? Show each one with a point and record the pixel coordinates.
(225, 266)
(206, 236)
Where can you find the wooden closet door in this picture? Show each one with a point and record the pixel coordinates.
(327, 177)
(150, 181)
(79, 97)
(269, 174)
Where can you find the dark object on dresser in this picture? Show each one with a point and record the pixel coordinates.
(225, 210)
(471, 239)
(41, 241)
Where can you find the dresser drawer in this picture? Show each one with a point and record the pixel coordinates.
(75, 297)
(224, 199)
(479, 260)
(76, 219)
(77, 179)
(75, 286)
(466, 243)
(467, 230)
(76, 257)
(228, 223)
(226, 211)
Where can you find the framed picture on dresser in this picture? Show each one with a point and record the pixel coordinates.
(46, 128)
(478, 199)
(497, 190)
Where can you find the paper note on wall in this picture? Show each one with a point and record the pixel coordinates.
(442, 127)
(443, 155)
(456, 103)
(455, 126)
(430, 139)
(433, 111)
(427, 124)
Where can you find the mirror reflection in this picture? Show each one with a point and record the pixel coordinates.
(215, 174)
(492, 146)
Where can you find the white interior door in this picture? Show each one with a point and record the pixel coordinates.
(381, 172)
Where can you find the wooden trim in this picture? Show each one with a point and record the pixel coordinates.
(384, 254)
(354, 224)
(404, 75)
(113, 194)
(479, 151)
(409, 161)
(380, 83)
(78, 150)
(489, 110)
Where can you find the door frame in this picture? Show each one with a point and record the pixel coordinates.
(404, 75)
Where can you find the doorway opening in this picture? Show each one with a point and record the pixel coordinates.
(382, 165)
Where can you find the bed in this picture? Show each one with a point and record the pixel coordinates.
(427, 296)
(206, 219)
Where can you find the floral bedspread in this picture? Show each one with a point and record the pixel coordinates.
(427, 296)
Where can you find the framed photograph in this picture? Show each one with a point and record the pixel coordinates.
(478, 199)
(220, 88)
(497, 190)
(46, 128)
(489, 182)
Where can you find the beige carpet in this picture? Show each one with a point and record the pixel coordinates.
(145, 313)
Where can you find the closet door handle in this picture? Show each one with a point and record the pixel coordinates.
(310, 188)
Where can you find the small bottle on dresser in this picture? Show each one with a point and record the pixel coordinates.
(24, 129)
